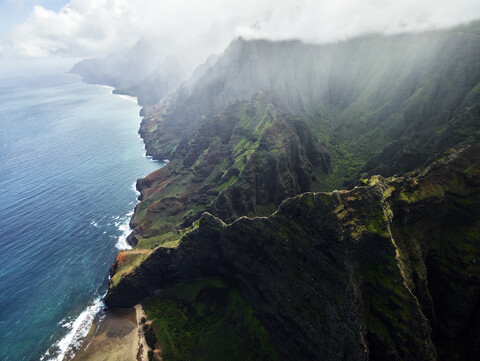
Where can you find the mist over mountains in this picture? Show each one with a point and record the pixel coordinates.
(321, 199)
(92, 28)
(372, 99)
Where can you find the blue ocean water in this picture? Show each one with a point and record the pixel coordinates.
(69, 156)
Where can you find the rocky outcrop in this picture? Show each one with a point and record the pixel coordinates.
(245, 161)
(387, 271)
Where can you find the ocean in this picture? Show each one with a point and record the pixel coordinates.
(69, 158)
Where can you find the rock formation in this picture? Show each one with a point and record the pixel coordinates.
(388, 269)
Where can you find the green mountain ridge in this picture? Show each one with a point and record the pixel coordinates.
(245, 161)
(373, 100)
(386, 270)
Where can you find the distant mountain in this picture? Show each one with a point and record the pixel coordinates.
(166, 79)
(388, 104)
(154, 67)
(123, 68)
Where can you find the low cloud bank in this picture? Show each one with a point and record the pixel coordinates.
(89, 28)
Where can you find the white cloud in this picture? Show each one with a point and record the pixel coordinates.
(83, 27)
(96, 27)
(322, 21)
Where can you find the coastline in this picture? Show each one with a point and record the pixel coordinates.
(118, 336)
(109, 335)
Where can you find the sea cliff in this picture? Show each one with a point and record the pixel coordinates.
(258, 141)
(388, 270)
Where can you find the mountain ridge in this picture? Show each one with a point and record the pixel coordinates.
(265, 126)
(378, 236)
(367, 97)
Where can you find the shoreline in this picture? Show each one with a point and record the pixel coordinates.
(118, 336)
(102, 338)
(111, 335)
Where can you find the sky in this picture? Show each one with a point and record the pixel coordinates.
(90, 28)
(16, 11)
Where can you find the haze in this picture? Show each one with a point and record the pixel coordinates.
(90, 28)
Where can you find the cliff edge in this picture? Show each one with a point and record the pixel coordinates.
(389, 270)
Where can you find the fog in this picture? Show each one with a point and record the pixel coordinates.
(12, 67)
(183, 33)
(90, 28)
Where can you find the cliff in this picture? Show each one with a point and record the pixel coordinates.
(245, 161)
(388, 270)
(382, 105)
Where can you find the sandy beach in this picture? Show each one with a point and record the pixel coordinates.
(118, 337)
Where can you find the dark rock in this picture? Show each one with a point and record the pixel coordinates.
(386, 271)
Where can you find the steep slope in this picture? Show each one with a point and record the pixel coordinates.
(207, 321)
(386, 271)
(245, 161)
(372, 100)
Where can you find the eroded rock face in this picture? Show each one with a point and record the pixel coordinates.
(385, 105)
(245, 161)
(387, 271)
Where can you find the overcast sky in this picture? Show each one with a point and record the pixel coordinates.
(87, 28)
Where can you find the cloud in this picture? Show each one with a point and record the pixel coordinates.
(322, 21)
(81, 28)
(95, 27)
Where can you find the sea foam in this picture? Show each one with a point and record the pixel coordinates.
(124, 227)
(128, 97)
(78, 329)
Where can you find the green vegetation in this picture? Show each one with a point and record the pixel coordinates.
(207, 321)
(126, 262)
(150, 336)
(150, 356)
(227, 183)
(212, 164)
(390, 310)
(385, 251)
(263, 211)
(387, 259)
(426, 192)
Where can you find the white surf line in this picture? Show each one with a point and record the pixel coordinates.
(79, 328)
